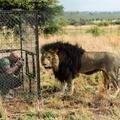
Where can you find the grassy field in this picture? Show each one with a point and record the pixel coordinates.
(85, 103)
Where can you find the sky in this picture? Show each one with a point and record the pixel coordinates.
(90, 5)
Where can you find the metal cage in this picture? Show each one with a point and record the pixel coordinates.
(19, 31)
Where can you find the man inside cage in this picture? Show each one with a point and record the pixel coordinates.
(9, 68)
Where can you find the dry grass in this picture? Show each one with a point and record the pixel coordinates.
(109, 42)
(85, 103)
(86, 27)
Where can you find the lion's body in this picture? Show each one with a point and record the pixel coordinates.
(67, 61)
(99, 61)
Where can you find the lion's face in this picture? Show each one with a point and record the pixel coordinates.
(46, 60)
(50, 60)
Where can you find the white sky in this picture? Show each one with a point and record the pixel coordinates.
(90, 5)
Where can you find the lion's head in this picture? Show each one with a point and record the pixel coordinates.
(50, 59)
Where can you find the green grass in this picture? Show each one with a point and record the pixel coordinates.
(44, 77)
(48, 115)
(28, 96)
(27, 118)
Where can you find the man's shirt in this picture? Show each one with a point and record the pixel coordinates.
(5, 64)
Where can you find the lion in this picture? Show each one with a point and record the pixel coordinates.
(67, 61)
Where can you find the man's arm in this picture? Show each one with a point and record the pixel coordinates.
(16, 69)
(12, 70)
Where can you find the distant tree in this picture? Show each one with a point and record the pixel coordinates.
(104, 23)
(95, 31)
(97, 19)
(72, 21)
(117, 22)
(82, 21)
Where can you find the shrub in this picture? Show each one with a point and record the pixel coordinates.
(117, 22)
(105, 23)
(95, 31)
(54, 27)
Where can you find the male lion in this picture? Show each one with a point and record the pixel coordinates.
(67, 60)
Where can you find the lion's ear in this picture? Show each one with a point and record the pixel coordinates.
(53, 51)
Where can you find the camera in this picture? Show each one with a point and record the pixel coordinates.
(21, 59)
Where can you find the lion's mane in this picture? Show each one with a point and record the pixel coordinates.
(69, 59)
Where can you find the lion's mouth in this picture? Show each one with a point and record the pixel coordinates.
(48, 67)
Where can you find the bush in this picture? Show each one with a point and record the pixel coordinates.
(117, 22)
(105, 23)
(95, 31)
(54, 27)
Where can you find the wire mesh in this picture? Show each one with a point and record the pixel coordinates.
(19, 32)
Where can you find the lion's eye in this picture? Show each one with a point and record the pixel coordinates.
(49, 57)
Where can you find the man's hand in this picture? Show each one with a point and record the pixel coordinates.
(20, 62)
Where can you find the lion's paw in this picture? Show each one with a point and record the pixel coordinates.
(69, 94)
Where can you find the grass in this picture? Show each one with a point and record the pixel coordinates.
(85, 103)
(26, 118)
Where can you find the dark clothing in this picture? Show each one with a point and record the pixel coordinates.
(7, 81)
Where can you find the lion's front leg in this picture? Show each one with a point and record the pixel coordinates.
(70, 86)
(63, 87)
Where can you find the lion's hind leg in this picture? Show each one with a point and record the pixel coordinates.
(106, 81)
(114, 80)
(104, 85)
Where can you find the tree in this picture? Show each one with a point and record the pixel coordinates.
(72, 21)
(47, 9)
(55, 27)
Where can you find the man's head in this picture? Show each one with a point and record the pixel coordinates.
(14, 56)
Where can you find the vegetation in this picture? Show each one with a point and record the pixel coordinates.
(95, 31)
(92, 16)
(27, 118)
(49, 13)
(85, 104)
(117, 22)
(54, 27)
(104, 23)
(47, 9)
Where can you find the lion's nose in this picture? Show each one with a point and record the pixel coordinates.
(44, 64)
